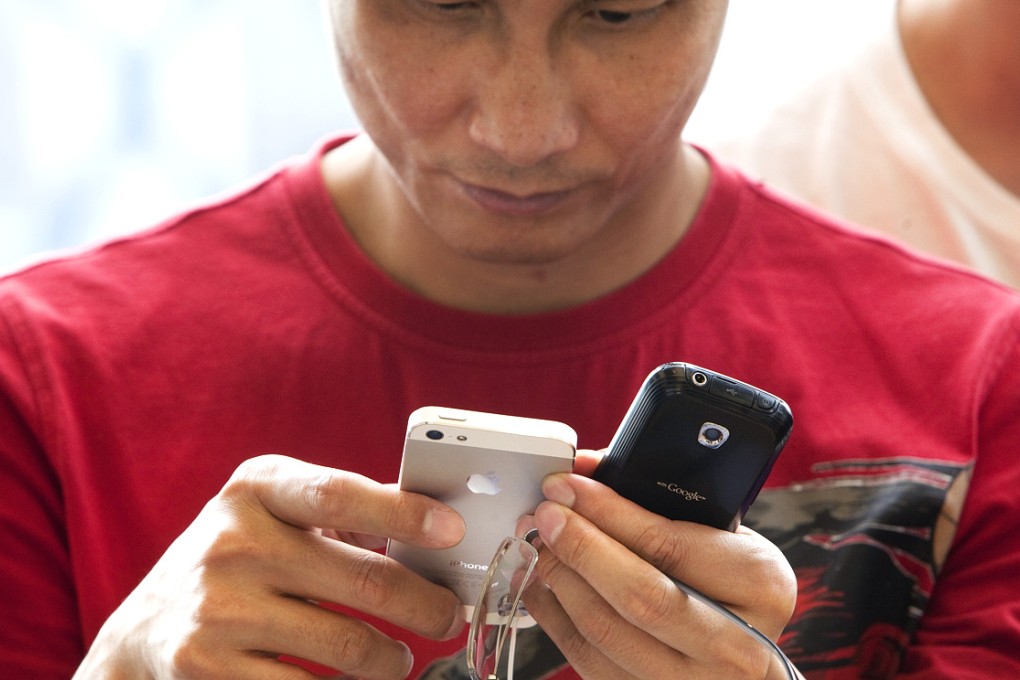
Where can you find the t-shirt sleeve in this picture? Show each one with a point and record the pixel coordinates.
(971, 628)
(40, 635)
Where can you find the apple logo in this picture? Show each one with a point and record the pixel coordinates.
(487, 484)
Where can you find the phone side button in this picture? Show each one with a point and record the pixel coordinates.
(766, 402)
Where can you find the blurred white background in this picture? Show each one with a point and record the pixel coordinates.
(116, 113)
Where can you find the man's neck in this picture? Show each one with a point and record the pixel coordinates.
(387, 229)
(966, 58)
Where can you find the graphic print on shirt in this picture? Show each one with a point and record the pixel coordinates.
(866, 539)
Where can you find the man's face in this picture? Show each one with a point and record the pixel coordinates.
(522, 130)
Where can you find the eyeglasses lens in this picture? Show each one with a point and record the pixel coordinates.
(498, 608)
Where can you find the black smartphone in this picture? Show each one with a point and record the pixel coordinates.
(696, 445)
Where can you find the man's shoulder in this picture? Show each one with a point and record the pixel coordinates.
(242, 215)
(235, 219)
(837, 254)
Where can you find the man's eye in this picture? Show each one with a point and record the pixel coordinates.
(611, 17)
(622, 13)
(451, 6)
(446, 11)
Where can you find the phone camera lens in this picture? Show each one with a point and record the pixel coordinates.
(713, 435)
(434, 435)
(700, 379)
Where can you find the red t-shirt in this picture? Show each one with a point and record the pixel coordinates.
(136, 376)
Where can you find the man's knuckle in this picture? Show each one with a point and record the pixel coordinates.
(326, 492)
(190, 659)
(552, 571)
(776, 596)
(786, 589)
(352, 647)
(600, 632)
(369, 577)
(406, 509)
(232, 547)
(662, 546)
(257, 468)
(576, 647)
(435, 617)
(582, 550)
(740, 658)
(249, 480)
(655, 606)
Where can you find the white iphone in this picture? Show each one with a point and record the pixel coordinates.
(487, 467)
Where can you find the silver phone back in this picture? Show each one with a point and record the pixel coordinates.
(488, 468)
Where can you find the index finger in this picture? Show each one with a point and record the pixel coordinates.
(686, 551)
(585, 461)
(314, 496)
(672, 546)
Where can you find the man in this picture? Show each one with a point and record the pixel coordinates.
(917, 136)
(520, 230)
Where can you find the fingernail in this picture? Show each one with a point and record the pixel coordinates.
(444, 527)
(527, 530)
(550, 520)
(408, 659)
(458, 624)
(556, 489)
(524, 524)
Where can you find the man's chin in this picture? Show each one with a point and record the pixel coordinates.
(519, 256)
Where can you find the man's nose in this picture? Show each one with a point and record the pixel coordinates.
(525, 112)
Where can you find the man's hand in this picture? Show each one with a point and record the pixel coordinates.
(603, 591)
(241, 586)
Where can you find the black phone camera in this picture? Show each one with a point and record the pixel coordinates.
(696, 445)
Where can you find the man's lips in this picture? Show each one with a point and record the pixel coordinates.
(516, 205)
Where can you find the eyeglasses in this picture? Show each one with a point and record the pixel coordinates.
(499, 611)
